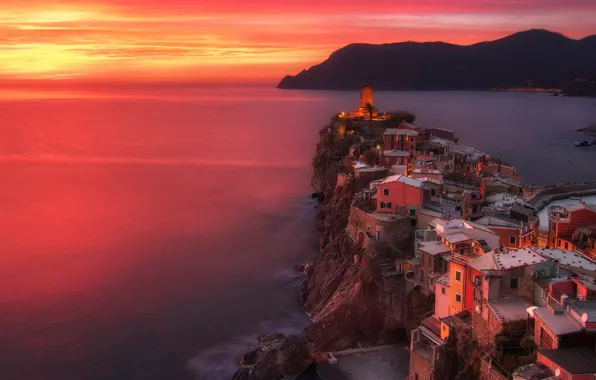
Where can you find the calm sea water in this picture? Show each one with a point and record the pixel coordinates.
(150, 232)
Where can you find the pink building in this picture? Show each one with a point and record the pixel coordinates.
(398, 192)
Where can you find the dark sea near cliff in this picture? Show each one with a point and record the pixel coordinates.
(150, 232)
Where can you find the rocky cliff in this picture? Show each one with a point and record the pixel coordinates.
(347, 292)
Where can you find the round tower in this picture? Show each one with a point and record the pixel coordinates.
(366, 95)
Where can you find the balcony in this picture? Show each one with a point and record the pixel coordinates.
(461, 259)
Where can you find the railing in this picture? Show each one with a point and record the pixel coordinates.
(459, 258)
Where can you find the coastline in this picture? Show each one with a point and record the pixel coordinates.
(365, 291)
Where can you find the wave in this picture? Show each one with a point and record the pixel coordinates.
(220, 362)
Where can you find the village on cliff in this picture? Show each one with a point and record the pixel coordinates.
(466, 232)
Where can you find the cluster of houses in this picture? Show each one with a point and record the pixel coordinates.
(477, 248)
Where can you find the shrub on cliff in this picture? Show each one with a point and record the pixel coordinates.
(372, 157)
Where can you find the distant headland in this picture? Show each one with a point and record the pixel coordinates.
(531, 59)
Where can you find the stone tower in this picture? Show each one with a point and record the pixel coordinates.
(366, 95)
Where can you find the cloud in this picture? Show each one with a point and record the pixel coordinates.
(177, 38)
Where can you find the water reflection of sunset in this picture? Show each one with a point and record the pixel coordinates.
(183, 40)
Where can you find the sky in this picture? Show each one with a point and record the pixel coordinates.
(241, 40)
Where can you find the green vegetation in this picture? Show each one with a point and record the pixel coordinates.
(372, 157)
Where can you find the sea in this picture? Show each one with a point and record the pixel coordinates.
(151, 231)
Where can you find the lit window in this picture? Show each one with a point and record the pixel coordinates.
(385, 191)
(513, 283)
(457, 276)
(458, 298)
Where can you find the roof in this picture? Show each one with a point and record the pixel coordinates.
(434, 247)
(567, 258)
(441, 141)
(498, 220)
(492, 261)
(400, 132)
(395, 153)
(588, 282)
(510, 309)
(533, 371)
(578, 360)
(580, 206)
(403, 179)
(523, 209)
(430, 180)
(433, 324)
(560, 324)
(443, 280)
(516, 259)
(457, 237)
(483, 262)
(586, 307)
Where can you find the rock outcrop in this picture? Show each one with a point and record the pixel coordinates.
(277, 357)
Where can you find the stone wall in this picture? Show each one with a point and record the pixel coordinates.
(419, 365)
(484, 331)
(488, 372)
(364, 226)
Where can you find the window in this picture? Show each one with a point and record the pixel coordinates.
(544, 294)
(513, 283)
(566, 245)
(554, 226)
(382, 204)
(385, 191)
(511, 239)
(553, 240)
(433, 192)
(458, 298)
(457, 276)
(388, 205)
(442, 290)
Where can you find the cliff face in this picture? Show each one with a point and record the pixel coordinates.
(344, 292)
(351, 302)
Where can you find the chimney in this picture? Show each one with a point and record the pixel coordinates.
(564, 299)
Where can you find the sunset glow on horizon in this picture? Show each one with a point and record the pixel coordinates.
(188, 41)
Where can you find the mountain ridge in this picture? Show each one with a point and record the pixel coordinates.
(535, 57)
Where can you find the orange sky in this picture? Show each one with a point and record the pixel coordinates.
(198, 40)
